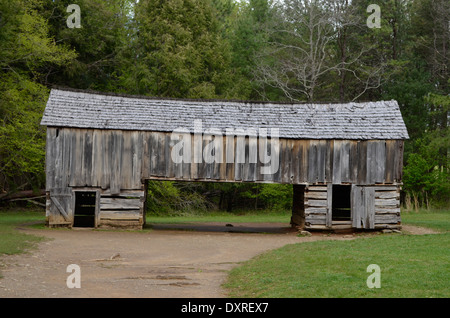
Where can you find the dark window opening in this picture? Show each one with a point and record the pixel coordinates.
(84, 215)
(341, 203)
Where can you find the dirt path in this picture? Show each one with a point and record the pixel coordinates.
(163, 263)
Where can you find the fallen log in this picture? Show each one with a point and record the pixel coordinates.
(22, 195)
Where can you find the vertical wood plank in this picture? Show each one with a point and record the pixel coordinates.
(79, 155)
(87, 158)
(174, 169)
(259, 151)
(252, 157)
(305, 161)
(231, 158)
(337, 161)
(58, 159)
(96, 159)
(145, 155)
(329, 216)
(380, 161)
(50, 158)
(218, 156)
(329, 161)
(67, 147)
(353, 161)
(153, 143)
(390, 161)
(345, 161)
(286, 164)
(194, 164)
(169, 164)
(278, 173)
(312, 162)
(245, 166)
(270, 152)
(186, 166)
(161, 155)
(356, 205)
(370, 207)
(363, 219)
(116, 161)
(296, 160)
(362, 163)
(106, 158)
(321, 160)
(371, 161)
(208, 167)
(223, 165)
(292, 160)
(137, 159)
(126, 162)
(154, 153)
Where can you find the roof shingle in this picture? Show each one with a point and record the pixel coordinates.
(369, 120)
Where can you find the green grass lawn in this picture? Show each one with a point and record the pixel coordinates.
(410, 266)
(13, 241)
(236, 217)
(435, 219)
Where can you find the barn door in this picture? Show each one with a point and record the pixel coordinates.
(363, 207)
(85, 211)
(60, 212)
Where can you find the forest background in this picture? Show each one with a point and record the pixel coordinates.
(291, 50)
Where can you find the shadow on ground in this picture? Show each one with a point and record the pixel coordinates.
(269, 228)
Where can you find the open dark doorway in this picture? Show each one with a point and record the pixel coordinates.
(84, 215)
(341, 203)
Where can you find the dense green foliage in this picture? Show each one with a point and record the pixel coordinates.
(254, 49)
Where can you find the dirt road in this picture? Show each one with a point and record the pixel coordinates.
(163, 263)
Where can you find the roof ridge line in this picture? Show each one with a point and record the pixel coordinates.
(125, 95)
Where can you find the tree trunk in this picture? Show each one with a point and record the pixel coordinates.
(22, 194)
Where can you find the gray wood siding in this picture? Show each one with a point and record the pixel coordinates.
(372, 207)
(120, 160)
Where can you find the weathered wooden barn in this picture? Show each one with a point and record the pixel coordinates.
(344, 160)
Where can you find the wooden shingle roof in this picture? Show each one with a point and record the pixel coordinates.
(368, 120)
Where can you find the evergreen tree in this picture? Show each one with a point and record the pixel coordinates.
(98, 42)
(176, 50)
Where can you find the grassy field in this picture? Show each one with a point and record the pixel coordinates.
(236, 217)
(435, 219)
(410, 266)
(13, 241)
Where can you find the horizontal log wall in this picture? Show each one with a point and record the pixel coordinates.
(316, 203)
(118, 160)
(386, 207)
(126, 209)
